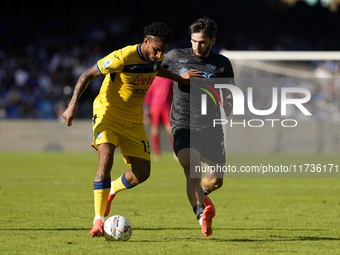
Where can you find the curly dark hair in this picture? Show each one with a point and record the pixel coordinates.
(205, 25)
(159, 30)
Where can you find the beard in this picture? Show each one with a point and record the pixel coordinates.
(203, 52)
(147, 58)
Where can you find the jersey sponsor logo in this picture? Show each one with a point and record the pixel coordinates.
(107, 63)
(141, 80)
(208, 75)
(139, 93)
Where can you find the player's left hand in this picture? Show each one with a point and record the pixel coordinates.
(227, 108)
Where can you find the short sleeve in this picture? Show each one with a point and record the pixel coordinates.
(112, 63)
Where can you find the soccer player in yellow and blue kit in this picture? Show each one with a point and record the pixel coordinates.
(118, 114)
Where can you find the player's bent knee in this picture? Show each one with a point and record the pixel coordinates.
(185, 162)
(141, 170)
(216, 182)
(143, 175)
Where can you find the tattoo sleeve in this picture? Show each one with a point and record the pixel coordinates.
(82, 83)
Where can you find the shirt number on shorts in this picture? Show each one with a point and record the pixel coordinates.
(146, 146)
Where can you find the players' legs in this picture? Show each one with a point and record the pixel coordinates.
(213, 155)
(139, 172)
(134, 146)
(188, 158)
(102, 185)
(105, 152)
(211, 180)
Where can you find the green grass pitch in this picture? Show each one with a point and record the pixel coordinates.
(47, 208)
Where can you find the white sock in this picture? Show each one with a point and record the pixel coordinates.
(200, 221)
(98, 218)
(112, 191)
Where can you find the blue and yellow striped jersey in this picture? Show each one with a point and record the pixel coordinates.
(127, 78)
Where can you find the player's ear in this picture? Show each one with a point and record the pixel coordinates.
(146, 40)
(213, 40)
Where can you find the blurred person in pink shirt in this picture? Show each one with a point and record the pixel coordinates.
(159, 98)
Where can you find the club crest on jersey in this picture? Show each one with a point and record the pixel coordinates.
(212, 67)
(107, 63)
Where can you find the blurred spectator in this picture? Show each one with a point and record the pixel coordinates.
(3, 112)
(13, 99)
(158, 99)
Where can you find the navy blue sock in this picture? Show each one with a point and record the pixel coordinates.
(198, 210)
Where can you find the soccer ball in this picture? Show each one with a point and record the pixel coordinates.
(117, 228)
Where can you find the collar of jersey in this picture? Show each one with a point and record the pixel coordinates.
(140, 52)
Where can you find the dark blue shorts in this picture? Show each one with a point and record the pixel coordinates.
(208, 141)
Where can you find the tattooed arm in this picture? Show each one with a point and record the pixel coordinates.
(82, 83)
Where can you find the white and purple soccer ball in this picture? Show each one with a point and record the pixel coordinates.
(117, 228)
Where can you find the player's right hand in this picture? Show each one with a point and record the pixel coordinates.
(192, 74)
(69, 114)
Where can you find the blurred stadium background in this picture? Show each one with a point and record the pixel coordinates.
(45, 47)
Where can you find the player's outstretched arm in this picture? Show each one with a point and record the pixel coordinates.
(82, 83)
(184, 78)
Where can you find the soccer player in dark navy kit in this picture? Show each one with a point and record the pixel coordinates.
(195, 139)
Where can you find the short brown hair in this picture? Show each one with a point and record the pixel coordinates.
(205, 25)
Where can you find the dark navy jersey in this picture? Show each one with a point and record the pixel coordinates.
(186, 108)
